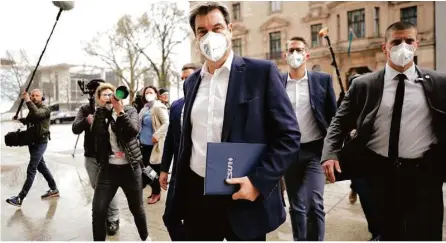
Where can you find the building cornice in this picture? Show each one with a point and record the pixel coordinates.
(274, 22)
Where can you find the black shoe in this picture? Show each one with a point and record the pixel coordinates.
(50, 193)
(112, 227)
(15, 201)
(374, 238)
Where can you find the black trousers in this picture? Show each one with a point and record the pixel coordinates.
(409, 200)
(110, 178)
(146, 151)
(206, 218)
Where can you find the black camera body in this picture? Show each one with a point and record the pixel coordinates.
(90, 89)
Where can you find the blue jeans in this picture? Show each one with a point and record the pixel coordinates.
(305, 181)
(37, 163)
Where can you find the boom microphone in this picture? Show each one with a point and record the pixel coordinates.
(64, 5)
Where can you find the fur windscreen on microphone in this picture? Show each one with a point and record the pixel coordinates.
(64, 5)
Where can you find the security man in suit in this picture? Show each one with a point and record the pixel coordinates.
(400, 115)
(236, 100)
(171, 146)
(314, 102)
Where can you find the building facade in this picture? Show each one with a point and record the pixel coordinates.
(261, 30)
(440, 36)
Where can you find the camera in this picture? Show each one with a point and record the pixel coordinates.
(90, 88)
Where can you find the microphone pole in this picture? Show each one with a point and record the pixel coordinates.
(324, 33)
(38, 62)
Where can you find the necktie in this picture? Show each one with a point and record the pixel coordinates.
(396, 118)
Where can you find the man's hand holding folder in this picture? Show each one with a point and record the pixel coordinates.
(247, 189)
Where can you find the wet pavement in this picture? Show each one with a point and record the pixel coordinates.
(69, 217)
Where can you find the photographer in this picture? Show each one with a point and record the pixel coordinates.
(38, 131)
(82, 123)
(115, 128)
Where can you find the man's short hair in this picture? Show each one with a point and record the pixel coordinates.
(296, 38)
(400, 25)
(37, 90)
(205, 8)
(194, 66)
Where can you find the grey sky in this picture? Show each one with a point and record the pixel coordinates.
(27, 24)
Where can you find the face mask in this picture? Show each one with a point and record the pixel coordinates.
(295, 60)
(402, 54)
(109, 106)
(150, 97)
(214, 45)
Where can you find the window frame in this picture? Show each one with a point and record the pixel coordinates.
(351, 23)
(409, 18)
(318, 38)
(275, 54)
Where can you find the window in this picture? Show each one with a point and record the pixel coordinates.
(274, 45)
(237, 46)
(356, 22)
(315, 39)
(275, 6)
(376, 22)
(75, 92)
(409, 15)
(236, 11)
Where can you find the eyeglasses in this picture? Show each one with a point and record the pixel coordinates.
(105, 95)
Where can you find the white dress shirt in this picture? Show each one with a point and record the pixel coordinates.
(207, 113)
(416, 133)
(299, 93)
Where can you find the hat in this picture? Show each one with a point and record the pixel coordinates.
(162, 91)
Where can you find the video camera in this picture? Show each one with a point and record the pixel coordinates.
(90, 89)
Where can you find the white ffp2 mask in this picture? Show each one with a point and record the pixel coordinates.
(295, 60)
(150, 97)
(402, 54)
(214, 45)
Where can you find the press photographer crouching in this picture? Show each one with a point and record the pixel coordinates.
(115, 128)
(36, 136)
(82, 123)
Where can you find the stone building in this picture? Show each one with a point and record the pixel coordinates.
(261, 29)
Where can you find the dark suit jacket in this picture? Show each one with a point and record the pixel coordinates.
(171, 148)
(358, 111)
(322, 97)
(172, 142)
(257, 110)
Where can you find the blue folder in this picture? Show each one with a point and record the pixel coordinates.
(230, 160)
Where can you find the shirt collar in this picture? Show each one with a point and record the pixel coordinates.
(391, 73)
(227, 65)
(304, 78)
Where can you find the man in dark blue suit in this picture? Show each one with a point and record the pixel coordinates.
(239, 100)
(171, 145)
(313, 99)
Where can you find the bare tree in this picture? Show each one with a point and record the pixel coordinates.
(115, 49)
(13, 76)
(168, 29)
